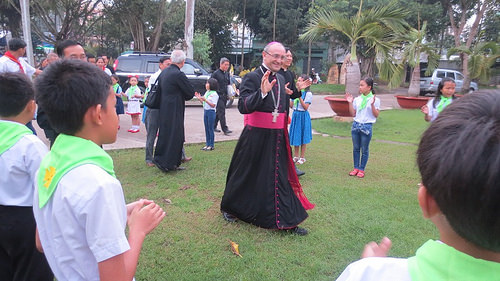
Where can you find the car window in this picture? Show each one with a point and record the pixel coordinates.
(459, 76)
(450, 75)
(422, 73)
(187, 69)
(128, 65)
(440, 74)
(152, 66)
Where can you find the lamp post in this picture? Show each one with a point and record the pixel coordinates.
(25, 19)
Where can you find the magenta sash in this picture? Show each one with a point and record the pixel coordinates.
(265, 120)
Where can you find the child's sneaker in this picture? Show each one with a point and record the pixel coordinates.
(130, 130)
(301, 161)
(295, 159)
(135, 131)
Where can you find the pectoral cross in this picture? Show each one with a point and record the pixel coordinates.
(275, 115)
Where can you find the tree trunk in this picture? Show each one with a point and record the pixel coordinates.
(353, 76)
(153, 44)
(367, 66)
(414, 89)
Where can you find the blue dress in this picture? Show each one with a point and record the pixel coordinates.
(300, 127)
(120, 109)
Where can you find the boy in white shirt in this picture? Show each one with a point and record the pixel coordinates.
(79, 204)
(20, 155)
(459, 161)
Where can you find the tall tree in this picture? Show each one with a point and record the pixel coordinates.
(459, 12)
(374, 26)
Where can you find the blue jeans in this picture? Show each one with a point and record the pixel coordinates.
(361, 136)
(209, 120)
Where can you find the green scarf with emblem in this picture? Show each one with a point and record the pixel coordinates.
(68, 152)
(364, 101)
(443, 102)
(437, 261)
(11, 133)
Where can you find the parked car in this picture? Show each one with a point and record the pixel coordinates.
(145, 64)
(429, 83)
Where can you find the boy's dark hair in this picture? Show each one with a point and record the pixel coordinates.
(16, 90)
(459, 160)
(213, 84)
(116, 77)
(16, 44)
(63, 45)
(67, 89)
(163, 59)
(440, 87)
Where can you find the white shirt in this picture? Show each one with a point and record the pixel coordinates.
(83, 223)
(433, 110)
(365, 115)
(308, 99)
(377, 269)
(212, 98)
(153, 78)
(18, 167)
(7, 65)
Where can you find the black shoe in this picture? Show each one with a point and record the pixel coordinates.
(299, 172)
(216, 130)
(180, 168)
(228, 217)
(299, 231)
(227, 132)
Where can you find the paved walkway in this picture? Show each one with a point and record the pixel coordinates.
(195, 131)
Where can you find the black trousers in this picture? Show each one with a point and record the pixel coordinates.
(19, 258)
(220, 113)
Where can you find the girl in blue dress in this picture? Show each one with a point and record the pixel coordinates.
(300, 127)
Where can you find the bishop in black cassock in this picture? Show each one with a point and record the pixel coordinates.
(262, 187)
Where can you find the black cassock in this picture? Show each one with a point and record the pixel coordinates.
(258, 190)
(175, 90)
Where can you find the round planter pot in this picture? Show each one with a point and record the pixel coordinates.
(339, 105)
(412, 102)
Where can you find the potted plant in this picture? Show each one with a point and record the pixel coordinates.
(372, 27)
(339, 105)
(413, 48)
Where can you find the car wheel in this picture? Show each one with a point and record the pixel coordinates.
(229, 102)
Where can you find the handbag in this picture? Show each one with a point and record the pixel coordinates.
(153, 100)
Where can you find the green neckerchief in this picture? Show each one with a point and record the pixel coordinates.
(207, 94)
(131, 91)
(443, 102)
(437, 261)
(11, 133)
(68, 152)
(297, 100)
(365, 100)
(115, 88)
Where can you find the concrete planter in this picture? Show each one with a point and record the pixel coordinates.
(412, 102)
(339, 105)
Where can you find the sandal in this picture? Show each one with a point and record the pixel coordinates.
(295, 159)
(354, 172)
(301, 161)
(361, 174)
(204, 148)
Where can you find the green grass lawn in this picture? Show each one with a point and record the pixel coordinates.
(328, 89)
(192, 243)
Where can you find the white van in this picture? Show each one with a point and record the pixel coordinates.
(429, 84)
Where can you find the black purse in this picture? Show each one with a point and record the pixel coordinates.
(153, 100)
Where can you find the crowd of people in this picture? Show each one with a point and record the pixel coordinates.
(72, 208)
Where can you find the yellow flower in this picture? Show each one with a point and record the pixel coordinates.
(50, 172)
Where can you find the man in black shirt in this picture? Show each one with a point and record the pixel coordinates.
(222, 77)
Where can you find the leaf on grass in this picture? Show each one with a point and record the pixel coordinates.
(168, 201)
(234, 248)
(185, 187)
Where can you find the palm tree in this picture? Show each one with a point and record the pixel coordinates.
(482, 56)
(374, 27)
(413, 47)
